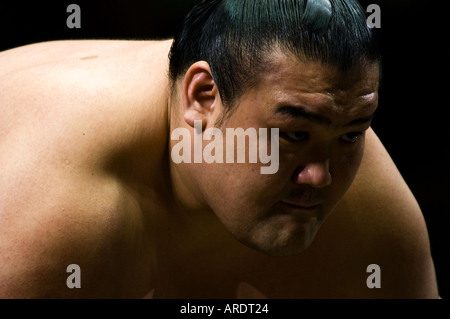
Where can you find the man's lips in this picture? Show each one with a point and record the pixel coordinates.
(305, 212)
(302, 205)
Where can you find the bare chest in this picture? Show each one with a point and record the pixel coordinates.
(312, 275)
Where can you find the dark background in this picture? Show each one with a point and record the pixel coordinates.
(413, 117)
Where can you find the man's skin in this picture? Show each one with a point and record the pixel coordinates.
(87, 179)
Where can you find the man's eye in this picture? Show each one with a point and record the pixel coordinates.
(297, 136)
(352, 137)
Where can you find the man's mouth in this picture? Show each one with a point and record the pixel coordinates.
(308, 206)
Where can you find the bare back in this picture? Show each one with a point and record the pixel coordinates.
(83, 152)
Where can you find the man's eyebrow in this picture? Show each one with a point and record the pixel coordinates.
(300, 112)
(360, 121)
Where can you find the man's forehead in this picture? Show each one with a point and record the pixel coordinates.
(314, 88)
(284, 70)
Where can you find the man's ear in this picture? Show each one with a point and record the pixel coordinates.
(201, 98)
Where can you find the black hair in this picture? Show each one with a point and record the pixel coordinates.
(235, 37)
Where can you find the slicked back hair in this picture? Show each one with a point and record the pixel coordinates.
(236, 36)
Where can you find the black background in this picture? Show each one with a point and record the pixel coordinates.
(413, 116)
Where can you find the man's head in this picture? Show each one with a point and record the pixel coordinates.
(308, 68)
(236, 38)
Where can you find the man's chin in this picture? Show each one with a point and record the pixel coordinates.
(280, 235)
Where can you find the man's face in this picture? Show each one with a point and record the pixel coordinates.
(322, 116)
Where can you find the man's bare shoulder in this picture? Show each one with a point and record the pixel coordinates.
(380, 222)
(94, 94)
(69, 113)
(70, 52)
(103, 68)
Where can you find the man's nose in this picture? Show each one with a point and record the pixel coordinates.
(315, 174)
